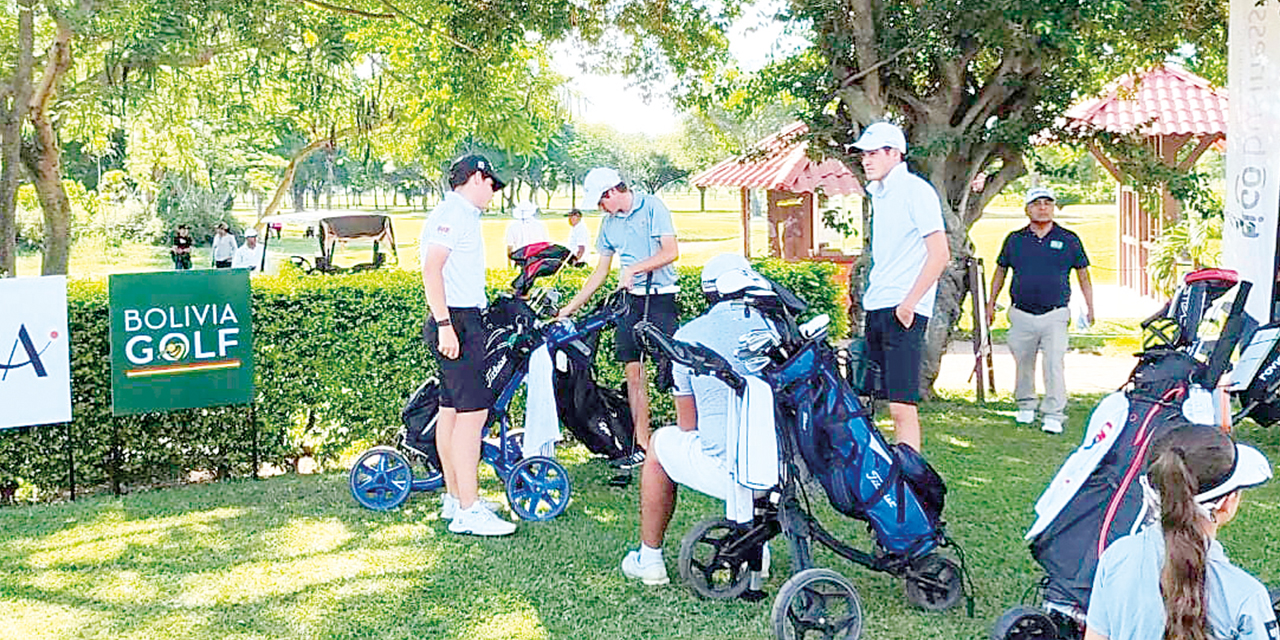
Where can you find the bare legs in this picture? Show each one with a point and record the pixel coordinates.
(458, 440)
(638, 398)
(906, 424)
(657, 502)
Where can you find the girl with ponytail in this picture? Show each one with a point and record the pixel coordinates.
(1172, 580)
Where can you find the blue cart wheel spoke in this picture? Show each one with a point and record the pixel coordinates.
(538, 488)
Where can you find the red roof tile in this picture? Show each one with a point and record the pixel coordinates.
(783, 166)
(1166, 101)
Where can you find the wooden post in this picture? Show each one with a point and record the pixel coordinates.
(979, 319)
(746, 223)
(986, 329)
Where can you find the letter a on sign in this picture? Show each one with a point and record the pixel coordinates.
(35, 354)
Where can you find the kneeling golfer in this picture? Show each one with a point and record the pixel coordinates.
(693, 453)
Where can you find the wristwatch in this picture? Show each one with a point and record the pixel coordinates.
(447, 322)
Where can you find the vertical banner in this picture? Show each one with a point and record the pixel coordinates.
(180, 340)
(35, 353)
(1253, 150)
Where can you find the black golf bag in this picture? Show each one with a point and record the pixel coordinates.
(1097, 497)
(1108, 504)
(419, 417)
(598, 416)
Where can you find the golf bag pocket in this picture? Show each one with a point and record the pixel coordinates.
(419, 416)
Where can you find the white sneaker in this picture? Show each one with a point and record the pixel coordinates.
(654, 573)
(1052, 425)
(449, 506)
(479, 521)
(1025, 416)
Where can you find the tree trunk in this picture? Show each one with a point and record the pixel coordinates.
(46, 165)
(11, 140)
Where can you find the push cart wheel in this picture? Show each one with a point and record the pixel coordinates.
(702, 567)
(381, 478)
(1024, 623)
(934, 583)
(538, 488)
(817, 602)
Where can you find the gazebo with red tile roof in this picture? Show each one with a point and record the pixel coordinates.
(1170, 107)
(780, 165)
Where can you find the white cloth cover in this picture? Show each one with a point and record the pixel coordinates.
(752, 447)
(541, 422)
(1108, 419)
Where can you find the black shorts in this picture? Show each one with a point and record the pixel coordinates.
(662, 312)
(897, 351)
(462, 384)
(222, 264)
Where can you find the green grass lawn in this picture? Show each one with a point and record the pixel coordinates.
(294, 557)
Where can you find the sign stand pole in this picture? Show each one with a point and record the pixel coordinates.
(253, 427)
(71, 462)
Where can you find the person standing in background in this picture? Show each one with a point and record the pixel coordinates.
(1042, 255)
(579, 237)
(224, 246)
(181, 249)
(525, 228)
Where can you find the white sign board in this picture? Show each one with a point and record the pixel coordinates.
(35, 353)
(1253, 150)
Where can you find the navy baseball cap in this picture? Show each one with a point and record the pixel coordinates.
(467, 165)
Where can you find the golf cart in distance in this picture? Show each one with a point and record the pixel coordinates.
(333, 229)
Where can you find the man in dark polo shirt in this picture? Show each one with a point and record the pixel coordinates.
(1042, 256)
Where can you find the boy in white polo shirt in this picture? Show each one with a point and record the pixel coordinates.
(452, 247)
(908, 253)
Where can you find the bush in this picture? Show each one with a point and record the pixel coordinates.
(335, 358)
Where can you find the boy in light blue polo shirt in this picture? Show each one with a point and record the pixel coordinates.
(638, 228)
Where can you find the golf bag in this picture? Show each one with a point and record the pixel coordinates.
(1097, 496)
(419, 417)
(509, 339)
(893, 488)
(598, 416)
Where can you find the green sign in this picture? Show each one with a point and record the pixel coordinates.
(180, 340)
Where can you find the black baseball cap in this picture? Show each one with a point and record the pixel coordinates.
(467, 165)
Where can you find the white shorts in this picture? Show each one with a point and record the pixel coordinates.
(681, 455)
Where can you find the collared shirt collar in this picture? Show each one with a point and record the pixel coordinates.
(895, 175)
(463, 202)
(637, 201)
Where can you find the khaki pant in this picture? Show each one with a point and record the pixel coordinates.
(1029, 334)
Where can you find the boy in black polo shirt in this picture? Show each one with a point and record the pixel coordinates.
(1042, 256)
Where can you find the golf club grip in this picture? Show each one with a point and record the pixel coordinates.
(699, 359)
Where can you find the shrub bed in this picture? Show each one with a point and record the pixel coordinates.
(335, 358)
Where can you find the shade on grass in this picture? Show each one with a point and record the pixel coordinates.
(294, 557)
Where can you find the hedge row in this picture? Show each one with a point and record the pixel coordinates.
(335, 358)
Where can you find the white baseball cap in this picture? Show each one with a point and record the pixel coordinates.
(1035, 193)
(251, 233)
(524, 210)
(598, 181)
(881, 135)
(1251, 469)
